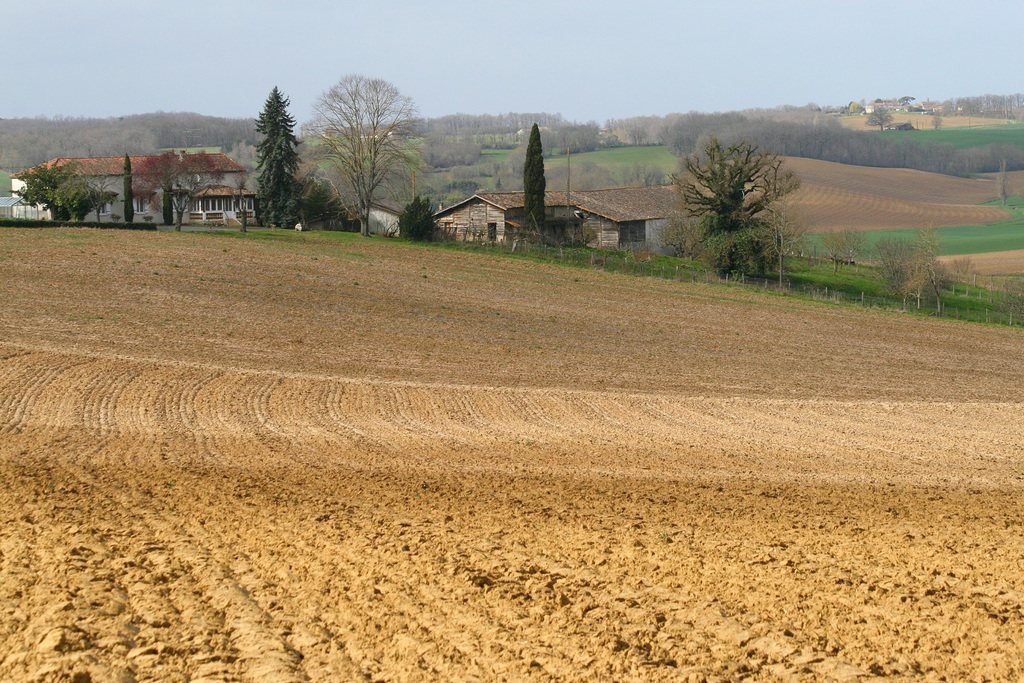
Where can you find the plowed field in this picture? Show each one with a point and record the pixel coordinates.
(994, 263)
(223, 459)
(839, 197)
(922, 121)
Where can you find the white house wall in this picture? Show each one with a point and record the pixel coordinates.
(383, 222)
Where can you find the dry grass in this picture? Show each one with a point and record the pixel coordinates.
(923, 121)
(838, 196)
(995, 263)
(226, 460)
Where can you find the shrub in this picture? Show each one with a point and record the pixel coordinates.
(30, 223)
(417, 221)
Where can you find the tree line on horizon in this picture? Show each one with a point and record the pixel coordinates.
(458, 140)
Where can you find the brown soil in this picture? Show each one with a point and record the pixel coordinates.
(843, 197)
(995, 262)
(225, 460)
(924, 121)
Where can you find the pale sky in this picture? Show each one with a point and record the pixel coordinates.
(585, 60)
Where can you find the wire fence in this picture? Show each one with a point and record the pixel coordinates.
(614, 263)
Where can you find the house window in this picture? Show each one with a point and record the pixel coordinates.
(105, 209)
(141, 204)
(492, 232)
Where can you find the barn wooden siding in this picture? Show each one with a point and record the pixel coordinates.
(470, 221)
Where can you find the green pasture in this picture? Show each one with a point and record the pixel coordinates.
(656, 156)
(964, 138)
(495, 154)
(5, 184)
(959, 240)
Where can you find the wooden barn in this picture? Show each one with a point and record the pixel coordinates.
(617, 218)
(625, 217)
(486, 216)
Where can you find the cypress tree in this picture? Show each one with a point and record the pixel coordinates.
(533, 183)
(128, 195)
(278, 161)
(168, 208)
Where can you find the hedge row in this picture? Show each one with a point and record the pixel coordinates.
(30, 223)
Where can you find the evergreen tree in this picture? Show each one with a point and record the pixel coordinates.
(417, 221)
(278, 162)
(129, 196)
(168, 206)
(533, 183)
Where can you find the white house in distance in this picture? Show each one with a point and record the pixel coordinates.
(384, 214)
(218, 204)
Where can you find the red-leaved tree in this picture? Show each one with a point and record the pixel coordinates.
(180, 174)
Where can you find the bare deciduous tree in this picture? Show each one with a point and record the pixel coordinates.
(363, 128)
(1004, 181)
(682, 235)
(842, 247)
(912, 268)
(1013, 298)
(879, 117)
(894, 259)
(99, 189)
(962, 267)
(785, 232)
(243, 211)
(929, 273)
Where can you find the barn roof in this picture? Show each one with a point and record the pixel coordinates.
(618, 204)
(508, 200)
(622, 204)
(389, 205)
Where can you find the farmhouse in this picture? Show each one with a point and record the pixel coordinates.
(219, 203)
(614, 218)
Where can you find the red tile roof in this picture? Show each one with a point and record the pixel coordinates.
(115, 165)
(223, 191)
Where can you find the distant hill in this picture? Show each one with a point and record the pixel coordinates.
(27, 142)
(838, 196)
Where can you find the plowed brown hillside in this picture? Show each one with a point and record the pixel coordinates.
(224, 460)
(840, 196)
(993, 263)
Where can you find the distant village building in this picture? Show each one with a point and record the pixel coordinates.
(615, 218)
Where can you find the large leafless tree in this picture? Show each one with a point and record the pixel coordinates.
(363, 128)
(842, 247)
